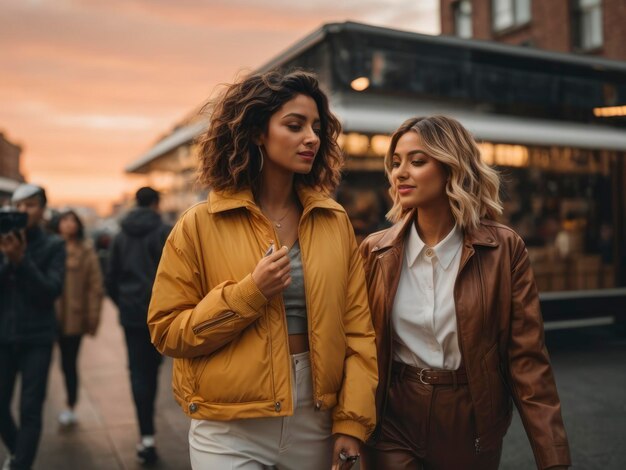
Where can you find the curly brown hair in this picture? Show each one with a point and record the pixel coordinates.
(230, 160)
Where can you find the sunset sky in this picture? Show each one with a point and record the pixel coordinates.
(88, 86)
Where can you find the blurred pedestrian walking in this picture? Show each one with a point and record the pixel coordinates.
(78, 308)
(32, 270)
(455, 305)
(133, 261)
(260, 295)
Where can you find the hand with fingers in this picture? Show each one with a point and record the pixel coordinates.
(346, 452)
(13, 245)
(272, 274)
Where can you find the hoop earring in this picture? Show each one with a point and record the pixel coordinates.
(260, 158)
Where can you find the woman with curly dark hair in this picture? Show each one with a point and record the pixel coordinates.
(260, 295)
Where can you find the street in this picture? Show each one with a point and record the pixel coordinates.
(588, 363)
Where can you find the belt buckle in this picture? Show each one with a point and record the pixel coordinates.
(421, 376)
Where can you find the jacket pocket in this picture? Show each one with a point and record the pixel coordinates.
(501, 403)
(214, 322)
(240, 372)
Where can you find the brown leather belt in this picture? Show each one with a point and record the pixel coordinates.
(429, 376)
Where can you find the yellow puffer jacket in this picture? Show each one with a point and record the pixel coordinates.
(230, 342)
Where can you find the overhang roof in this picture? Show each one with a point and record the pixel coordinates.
(177, 138)
(375, 114)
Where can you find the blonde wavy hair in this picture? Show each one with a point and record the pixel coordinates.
(472, 186)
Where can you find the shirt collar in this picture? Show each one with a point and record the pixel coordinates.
(445, 250)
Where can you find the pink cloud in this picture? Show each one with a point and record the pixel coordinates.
(88, 86)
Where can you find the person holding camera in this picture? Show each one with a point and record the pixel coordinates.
(32, 270)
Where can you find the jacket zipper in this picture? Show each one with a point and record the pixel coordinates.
(269, 333)
(461, 345)
(205, 325)
(277, 405)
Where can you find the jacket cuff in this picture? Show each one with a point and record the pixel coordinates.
(555, 456)
(351, 428)
(247, 299)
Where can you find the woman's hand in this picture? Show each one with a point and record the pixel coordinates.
(273, 274)
(344, 452)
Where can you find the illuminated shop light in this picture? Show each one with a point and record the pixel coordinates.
(504, 154)
(360, 84)
(610, 111)
(356, 144)
(486, 152)
(380, 144)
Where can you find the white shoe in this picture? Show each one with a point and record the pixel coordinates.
(67, 418)
(7, 463)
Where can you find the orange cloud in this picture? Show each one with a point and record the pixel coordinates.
(87, 86)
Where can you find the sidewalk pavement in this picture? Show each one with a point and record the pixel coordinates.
(107, 430)
(588, 365)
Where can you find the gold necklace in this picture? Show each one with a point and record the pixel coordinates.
(277, 223)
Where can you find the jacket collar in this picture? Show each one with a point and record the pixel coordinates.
(394, 236)
(481, 235)
(221, 201)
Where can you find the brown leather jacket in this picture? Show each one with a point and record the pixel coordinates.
(500, 331)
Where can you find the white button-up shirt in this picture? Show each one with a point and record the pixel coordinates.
(424, 315)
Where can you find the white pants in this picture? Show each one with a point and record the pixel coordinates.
(299, 442)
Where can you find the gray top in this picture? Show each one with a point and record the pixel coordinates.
(294, 296)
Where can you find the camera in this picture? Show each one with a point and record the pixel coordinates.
(11, 221)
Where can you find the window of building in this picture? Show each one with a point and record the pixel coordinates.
(462, 11)
(588, 24)
(509, 13)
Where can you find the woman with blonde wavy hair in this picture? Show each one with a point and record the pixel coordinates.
(455, 308)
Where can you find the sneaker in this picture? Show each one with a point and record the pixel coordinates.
(146, 454)
(67, 418)
(7, 463)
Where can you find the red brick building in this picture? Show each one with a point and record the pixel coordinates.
(10, 175)
(593, 27)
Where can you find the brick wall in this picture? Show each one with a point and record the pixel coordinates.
(614, 30)
(9, 159)
(549, 28)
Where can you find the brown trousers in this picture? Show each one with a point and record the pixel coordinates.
(427, 427)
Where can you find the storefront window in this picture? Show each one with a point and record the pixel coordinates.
(562, 206)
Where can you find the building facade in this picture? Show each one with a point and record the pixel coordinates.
(10, 176)
(549, 122)
(592, 27)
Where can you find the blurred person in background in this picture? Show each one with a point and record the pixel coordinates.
(102, 243)
(133, 260)
(32, 270)
(260, 295)
(456, 311)
(78, 308)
